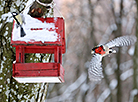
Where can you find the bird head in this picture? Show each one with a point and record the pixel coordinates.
(14, 14)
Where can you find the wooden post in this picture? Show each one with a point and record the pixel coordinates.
(56, 54)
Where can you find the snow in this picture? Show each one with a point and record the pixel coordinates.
(104, 95)
(67, 94)
(38, 79)
(132, 94)
(7, 17)
(126, 65)
(131, 50)
(28, 4)
(35, 35)
(113, 84)
(126, 74)
(1, 69)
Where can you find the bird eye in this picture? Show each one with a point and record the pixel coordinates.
(110, 51)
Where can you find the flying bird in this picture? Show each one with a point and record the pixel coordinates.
(95, 67)
(19, 21)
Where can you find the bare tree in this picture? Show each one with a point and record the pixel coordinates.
(89, 23)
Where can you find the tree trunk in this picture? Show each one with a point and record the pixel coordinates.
(118, 56)
(11, 90)
(38, 10)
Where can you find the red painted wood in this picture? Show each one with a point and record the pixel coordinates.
(59, 22)
(61, 73)
(40, 49)
(21, 69)
(56, 55)
(38, 69)
(17, 55)
(36, 66)
(33, 73)
(13, 69)
(22, 54)
(60, 55)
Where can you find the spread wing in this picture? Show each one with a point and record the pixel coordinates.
(122, 41)
(95, 68)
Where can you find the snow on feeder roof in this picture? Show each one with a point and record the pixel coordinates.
(42, 30)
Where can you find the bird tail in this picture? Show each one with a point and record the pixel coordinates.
(22, 32)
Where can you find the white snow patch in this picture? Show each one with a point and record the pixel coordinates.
(16, 86)
(1, 8)
(38, 79)
(1, 66)
(126, 74)
(104, 95)
(109, 70)
(68, 92)
(35, 35)
(14, 62)
(18, 2)
(38, 55)
(45, 60)
(84, 87)
(131, 50)
(7, 17)
(126, 65)
(19, 96)
(7, 28)
(7, 90)
(8, 80)
(1, 86)
(113, 84)
(14, 91)
(6, 33)
(132, 94)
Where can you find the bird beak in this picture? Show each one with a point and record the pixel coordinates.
(92, 52)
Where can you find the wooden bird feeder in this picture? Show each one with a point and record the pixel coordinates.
(52, 32)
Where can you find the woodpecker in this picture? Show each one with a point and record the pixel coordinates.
(95, 67)
(19, 21)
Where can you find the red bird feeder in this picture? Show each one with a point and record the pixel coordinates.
(43, 35)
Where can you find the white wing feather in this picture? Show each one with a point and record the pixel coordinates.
(122, 41)
(95, 68)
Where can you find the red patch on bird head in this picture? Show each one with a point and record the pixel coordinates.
(100, 50)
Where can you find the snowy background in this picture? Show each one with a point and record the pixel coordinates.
(88, 23)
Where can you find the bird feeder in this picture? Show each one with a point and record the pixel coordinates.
(43, 35)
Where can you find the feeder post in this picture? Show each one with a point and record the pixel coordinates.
(60, 55)
(20, 54)
(56, 54)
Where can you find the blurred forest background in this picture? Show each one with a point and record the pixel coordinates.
(88, 23)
